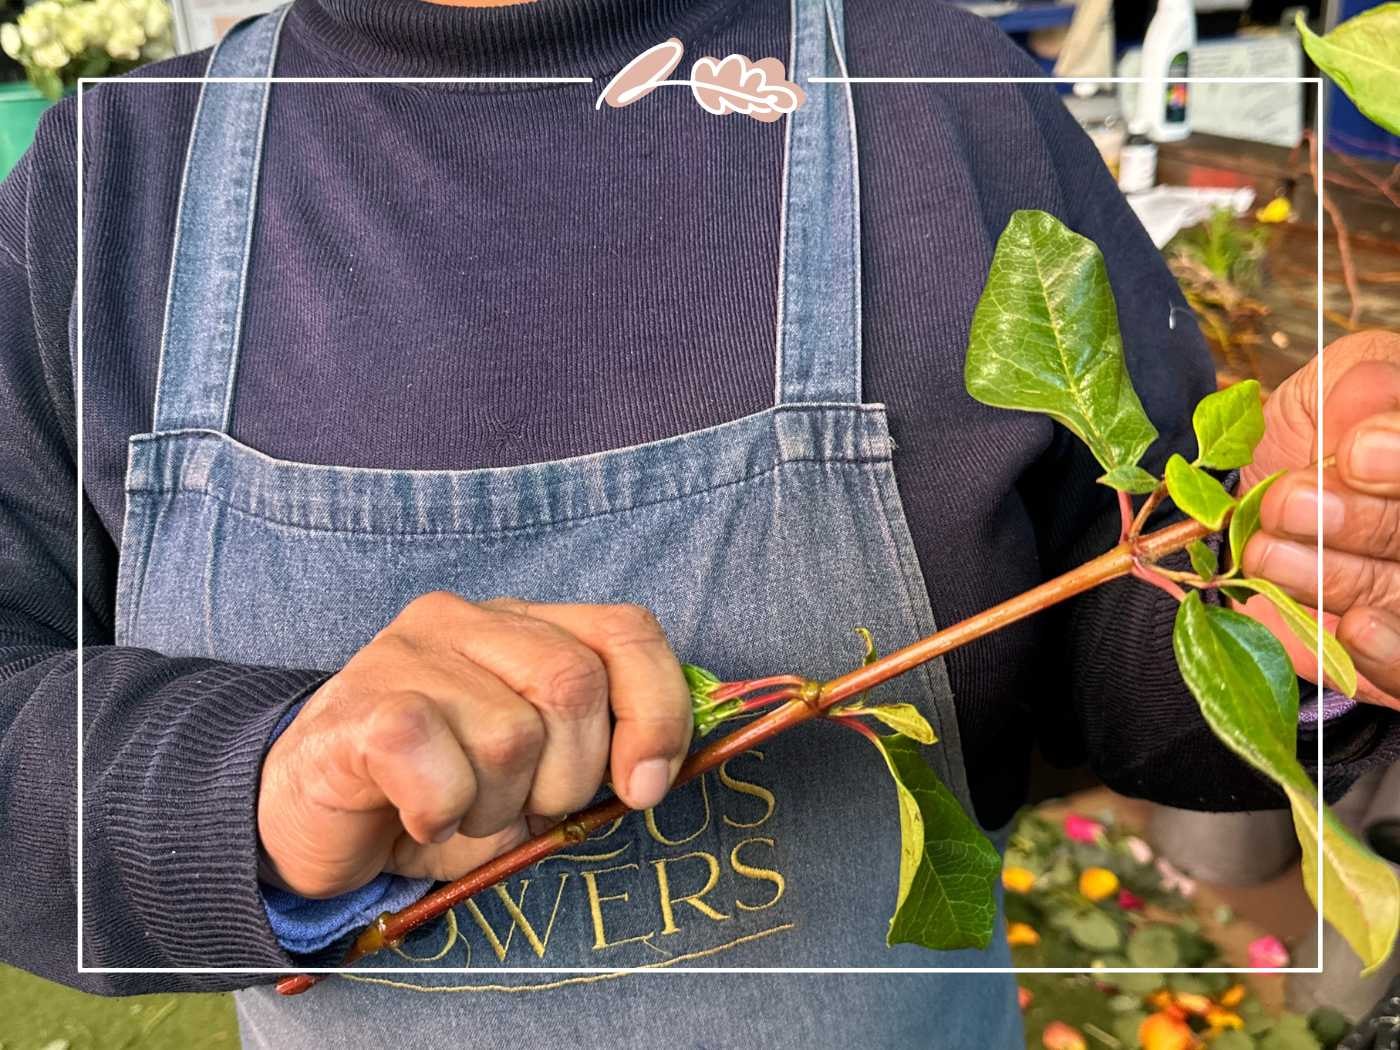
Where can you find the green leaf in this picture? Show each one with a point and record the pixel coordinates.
(902, 718)
(1363, 56)
(1203, 560)
(706, 712)
(1336, 661)
(1228, 425)
(870, 656)
(1045, 339)
(948, 870)
(1244, 523)
(1197, 493)
(1248, 693)
(700, 681)
(1091, 929)
(1130, 479)
(1154, 947)
(1289, 1032)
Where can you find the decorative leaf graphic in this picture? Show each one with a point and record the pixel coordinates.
(643, 75)
(734, 84)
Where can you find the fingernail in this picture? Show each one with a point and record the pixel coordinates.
(1289, 565)
(649, 782)
(1375, 455)
(1299, 517)
(1378, 642)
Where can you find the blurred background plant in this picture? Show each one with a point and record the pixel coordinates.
(58, 41)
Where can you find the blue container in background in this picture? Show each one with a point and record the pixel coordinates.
(20, 109)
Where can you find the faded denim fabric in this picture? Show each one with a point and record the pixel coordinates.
(760, 544)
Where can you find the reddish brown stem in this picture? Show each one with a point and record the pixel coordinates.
(812, 700)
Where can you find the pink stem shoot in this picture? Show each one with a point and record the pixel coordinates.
(1157, 580)
(1125, 510)
(851, 722)
(730, 690)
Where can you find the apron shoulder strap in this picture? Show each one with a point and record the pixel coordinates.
(214, 230)
(819, 352)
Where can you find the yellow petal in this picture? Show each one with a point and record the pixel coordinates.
(1097, 883)
(1018, 880)
(1019, 934)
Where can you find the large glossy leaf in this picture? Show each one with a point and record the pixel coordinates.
(1045, 339)
(1363, 56)
(1248, 693)
(1228, 424)
(948, 869)
(1336, 662)
(1244, 523)
(1197, 493)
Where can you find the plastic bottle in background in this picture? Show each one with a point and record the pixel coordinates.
(1162, 106)
(1137, 160)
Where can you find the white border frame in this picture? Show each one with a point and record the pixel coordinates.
(84, 82)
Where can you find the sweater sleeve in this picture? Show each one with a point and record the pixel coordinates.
(172, 748)
(1130, 713)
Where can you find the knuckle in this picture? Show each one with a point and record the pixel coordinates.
(433, 812)
(573, 683)
(431, 607)
(399, 725)
(624, 626)
(510, 742)
(507, 605)
(1347, 583)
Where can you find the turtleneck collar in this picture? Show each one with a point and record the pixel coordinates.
(544, 38)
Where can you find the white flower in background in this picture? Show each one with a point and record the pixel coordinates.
(126, 42)
(157, 20)
(52, 55)
(34, 32)
(1140, 850)
(10, 40)
(155, 50)
(57, 39)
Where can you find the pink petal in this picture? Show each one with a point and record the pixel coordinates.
(1267, 951)
(1082, 829)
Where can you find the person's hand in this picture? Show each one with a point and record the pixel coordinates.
(428, 751)
(1360, 506)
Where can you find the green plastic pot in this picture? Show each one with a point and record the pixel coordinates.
(20, 109)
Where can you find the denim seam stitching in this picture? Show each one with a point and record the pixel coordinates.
(575, 520)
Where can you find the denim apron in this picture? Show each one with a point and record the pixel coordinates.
(760, 544)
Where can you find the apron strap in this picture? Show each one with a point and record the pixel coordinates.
(214, 232)
(819, 269)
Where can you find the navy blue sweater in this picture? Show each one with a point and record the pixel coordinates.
(450, 277)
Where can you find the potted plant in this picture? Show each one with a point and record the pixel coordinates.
(55, 42)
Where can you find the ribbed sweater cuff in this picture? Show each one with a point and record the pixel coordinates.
(178, 816)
